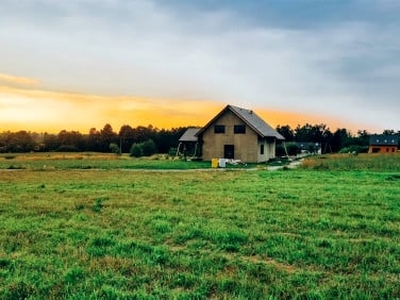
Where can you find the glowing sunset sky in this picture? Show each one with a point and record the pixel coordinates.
(79, 64)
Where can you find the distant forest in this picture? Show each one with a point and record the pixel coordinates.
(167, 140)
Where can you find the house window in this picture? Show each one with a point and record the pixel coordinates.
(239, 129)
(219, 128)
(262, 149)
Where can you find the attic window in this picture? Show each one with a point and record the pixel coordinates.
(219, 128)
(239, 129)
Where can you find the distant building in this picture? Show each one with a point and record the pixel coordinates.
(383, 143)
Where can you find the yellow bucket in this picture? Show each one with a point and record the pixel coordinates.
(214, 163)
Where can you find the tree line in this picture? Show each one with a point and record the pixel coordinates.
(146, 140)
(340, 140)
(103, 140)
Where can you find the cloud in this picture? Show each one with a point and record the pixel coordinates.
(9, 79)
(346, 66)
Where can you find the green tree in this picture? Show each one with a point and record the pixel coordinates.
(107, 136)
(362, 138)
(149, 148)
(136, 150)
(70, 141)
(146, 148)
(115, 149)
(341, 138)
(51, 142)
(20, 141)
(126, 137)
(389, 132)
(286, 131)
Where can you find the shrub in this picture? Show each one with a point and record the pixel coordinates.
(136, 150)
(292, 148)
(172, 152)
(115, 149)
(354, 149)
(146, 148)
(149, 148)
(280, 150)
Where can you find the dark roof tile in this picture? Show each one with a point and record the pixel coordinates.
(190, 135)
(250, 118)
(383, 140)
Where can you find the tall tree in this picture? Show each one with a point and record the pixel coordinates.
(51, 142)
(167, 139)
(341, 138)
(107, 136)
(362, 138)
(20, 141)
(303, 133)
(286, 131)
(93, 140)
(389, 132)
(126, 138)
(71, 141)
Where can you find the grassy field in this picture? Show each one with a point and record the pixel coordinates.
(351, 162)
(119, 233)
(86, 161)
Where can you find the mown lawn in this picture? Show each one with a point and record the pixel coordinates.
(234, 234)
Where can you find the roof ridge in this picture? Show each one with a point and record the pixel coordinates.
(248, 116)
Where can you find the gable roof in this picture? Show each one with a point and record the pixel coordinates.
(383, 140)
(190, 135)
(251, 119)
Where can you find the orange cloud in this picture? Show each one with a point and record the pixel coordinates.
(18, 80)
(31, 109)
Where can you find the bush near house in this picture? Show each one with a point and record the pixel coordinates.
(292, 149)
(146, 148)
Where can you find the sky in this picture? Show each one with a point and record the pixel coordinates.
(79, 64)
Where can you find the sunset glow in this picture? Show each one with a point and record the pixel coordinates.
(49, 111)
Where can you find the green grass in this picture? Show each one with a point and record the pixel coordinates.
(123, 234)
(87, 161)
(351, 162)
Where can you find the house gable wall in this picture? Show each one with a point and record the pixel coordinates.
(246, 145)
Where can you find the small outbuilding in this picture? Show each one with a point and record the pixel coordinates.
(188, 142)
